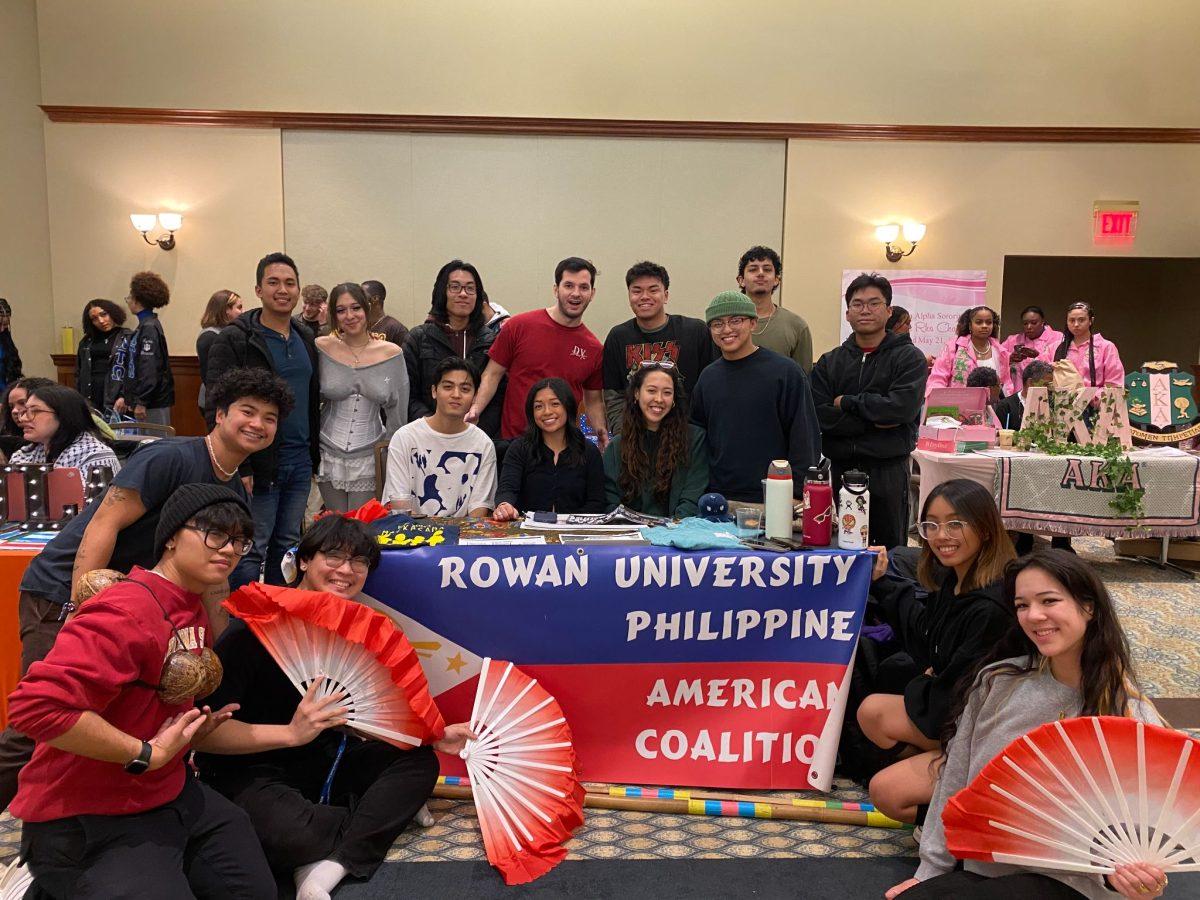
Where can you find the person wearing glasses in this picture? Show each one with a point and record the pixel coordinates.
(552, 467)
(58, 425)
(149, 389)
(868, 393)
(753, 404)
(652, 335)
(107, 804)
(117, 530)
(332, 806)
(658, 464)
(456, 326)
(964, 551)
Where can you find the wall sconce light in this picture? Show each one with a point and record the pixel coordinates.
(170, 222)
(887, 234)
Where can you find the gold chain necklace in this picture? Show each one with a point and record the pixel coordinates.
(350, 347)
(769, 319)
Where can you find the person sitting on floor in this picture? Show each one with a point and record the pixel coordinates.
(332, 806)
(945, 635)
(107, 804)
(58, 424)
(1066, 656)
(658, 464)
(552, 467)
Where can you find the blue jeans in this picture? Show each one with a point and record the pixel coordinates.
(278, 515)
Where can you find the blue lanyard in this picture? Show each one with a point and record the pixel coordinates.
(328, 786)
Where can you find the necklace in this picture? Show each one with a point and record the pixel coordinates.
(221, 470)
(350, 347)
(768, 319)
(984, 353)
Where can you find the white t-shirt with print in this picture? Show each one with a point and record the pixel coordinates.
(448, 474)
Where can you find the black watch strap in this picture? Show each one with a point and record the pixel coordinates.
(142, 762)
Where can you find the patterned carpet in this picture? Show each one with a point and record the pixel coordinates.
(1160, 610)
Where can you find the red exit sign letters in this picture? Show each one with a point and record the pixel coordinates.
(1114, 222)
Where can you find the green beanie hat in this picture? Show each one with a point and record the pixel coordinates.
(730, 303)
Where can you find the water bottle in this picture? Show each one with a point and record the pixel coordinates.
(777, 499)
(818, 508)
(854, 511)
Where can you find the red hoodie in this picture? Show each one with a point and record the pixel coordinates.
(118, 638)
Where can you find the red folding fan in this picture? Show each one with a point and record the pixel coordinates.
(522, 770)
(1084, 795)
(356, 649)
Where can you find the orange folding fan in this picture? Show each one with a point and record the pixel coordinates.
(522, 771)
(1084, 795)
(357, 650)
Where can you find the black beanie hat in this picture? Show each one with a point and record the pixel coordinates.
(185, 503)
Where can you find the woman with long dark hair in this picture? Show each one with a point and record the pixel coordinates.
(552, 467)
(974, 345)
(1095, 358)
(965, 549)
(362, 375)
(223, 307)
(658, 464)
(102, 335)
(1035, 340)
(12, 403)
(1065, 656)
(58, 427)
(456, 326)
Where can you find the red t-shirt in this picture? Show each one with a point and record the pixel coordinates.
(532, 346)
(118, 638)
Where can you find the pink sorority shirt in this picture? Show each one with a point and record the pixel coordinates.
(1109, 371)
(1044, 345)
(957, 359)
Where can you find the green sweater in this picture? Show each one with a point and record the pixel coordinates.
(686, 487)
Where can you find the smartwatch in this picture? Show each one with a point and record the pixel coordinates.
(142, 762)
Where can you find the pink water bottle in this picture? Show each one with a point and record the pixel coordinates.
(818, 508)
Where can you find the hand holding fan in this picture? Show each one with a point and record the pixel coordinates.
(522, 770)
(1084, 795)
(356, 649)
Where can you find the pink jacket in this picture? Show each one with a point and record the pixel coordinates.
(1044, 345)
(956, 361)
(1109, 369)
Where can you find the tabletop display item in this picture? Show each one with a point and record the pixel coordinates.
(1084, 795)
(357, 650)
(522, 771)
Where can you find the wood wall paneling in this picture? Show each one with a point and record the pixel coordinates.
(185, 414)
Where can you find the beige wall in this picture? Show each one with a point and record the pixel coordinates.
(1071, 62)
(226, 182)
(980, 201)
(24, 254)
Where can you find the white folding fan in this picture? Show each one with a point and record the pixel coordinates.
(1084, 795)
(522, 770)
(15, 880)
(356, 649)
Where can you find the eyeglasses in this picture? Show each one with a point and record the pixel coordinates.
(730, 322)
(337, 559)
(29, 412)
(953, 528)
(456, 288)
(872, 305)
(657, 363)
(217, 540)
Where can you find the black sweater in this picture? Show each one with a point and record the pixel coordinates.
(947, 634)
(882, 395)
(754, 410)
(148, 378)
(425, 347)
(530, 480)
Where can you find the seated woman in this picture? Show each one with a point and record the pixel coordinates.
(552, 467)
(374, 789)
(109, 809)
(1067, 656)
(946, 635)
(58, 425)
(12, 404)
(658, 464)
(975, 345)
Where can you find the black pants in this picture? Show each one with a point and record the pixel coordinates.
(198, 845)
(1019, 886)
(888, 484)
(376, 792)
(40, 622)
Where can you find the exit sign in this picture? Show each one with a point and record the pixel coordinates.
(1114, 221)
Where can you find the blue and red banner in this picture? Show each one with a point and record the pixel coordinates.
(723, 668)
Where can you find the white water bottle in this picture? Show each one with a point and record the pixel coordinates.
(777, 498)
(854, 511)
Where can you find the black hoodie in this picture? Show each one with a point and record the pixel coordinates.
(947, 634)
(883, 388)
